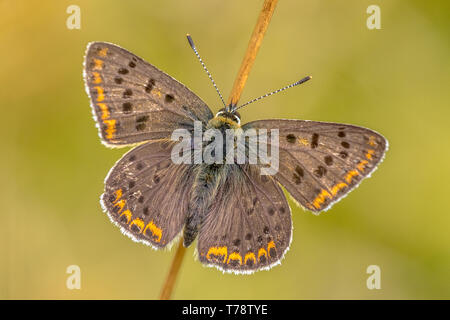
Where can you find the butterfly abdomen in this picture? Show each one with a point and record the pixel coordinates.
(207, 181)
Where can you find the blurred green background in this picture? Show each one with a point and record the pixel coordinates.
(394, 80)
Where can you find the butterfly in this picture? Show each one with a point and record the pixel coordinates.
(241, 218)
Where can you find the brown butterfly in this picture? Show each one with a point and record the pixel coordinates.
(242, 218)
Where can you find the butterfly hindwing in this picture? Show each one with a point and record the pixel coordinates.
(320, 162)
(147, 195)
(133, 101)
(248, 227)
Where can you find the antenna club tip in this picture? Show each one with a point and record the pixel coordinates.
(307, 78)
(191, 42)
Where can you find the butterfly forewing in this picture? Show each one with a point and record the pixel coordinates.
(147, 195)
(134, 101)
(320, 162)
(249, 226)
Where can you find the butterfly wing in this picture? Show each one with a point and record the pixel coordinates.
(249, 225)
(147, 195)
(133, 101)
(321, 162)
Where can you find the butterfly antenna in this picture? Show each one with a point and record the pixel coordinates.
(273, 92)
(191, 43)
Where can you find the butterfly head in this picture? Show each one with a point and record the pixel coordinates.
(232, 115)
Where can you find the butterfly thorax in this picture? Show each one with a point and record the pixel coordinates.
(223, 122)
(226, 123)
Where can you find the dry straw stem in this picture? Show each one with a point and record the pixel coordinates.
(252, 50)
(238, 87)
(172, 276)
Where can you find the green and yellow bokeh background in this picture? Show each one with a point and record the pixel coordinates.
(394, 80)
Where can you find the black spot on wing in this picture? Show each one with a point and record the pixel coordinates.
(150, 85)
(127, 93)
(315, 141)
(169, 98)
(127, 107)
(290, 138)
(320, 171)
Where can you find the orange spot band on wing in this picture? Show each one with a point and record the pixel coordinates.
(100, 93)
(120, 204)
(338, 187)
(372, 141)
(138, 222)
(234, 256)
(321, 198)
(217, 251)
(97, 78)
(369, 154)
(118, 194)
(102, 52)
(98, 64)
(350, 175)
(362, 165)
(156, 232)
(110, 128)
(127, 213)
(261, 252)
(270, 245)
(250, 255)
(104, 109)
